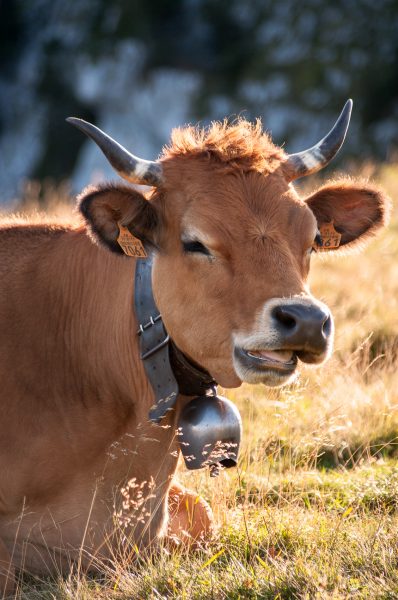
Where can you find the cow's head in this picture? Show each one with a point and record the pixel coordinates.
(233, 242)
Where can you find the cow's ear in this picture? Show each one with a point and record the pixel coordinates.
(106, 208)
(356, 210)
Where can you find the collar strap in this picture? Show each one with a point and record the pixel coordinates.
(167, 368)
(192, 379)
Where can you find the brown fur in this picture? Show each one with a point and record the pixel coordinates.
(76, 448)
(238, 145)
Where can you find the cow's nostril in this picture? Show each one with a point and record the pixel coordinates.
(284, 317)
(327, 326)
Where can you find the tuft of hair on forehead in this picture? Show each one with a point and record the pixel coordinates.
(238, 145)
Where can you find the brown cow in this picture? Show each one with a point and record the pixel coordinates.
(82, 470)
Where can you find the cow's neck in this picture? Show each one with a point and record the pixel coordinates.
(93, 328)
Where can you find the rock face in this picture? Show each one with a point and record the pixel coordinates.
(137, 69)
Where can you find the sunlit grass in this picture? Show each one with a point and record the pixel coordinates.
(312, 510)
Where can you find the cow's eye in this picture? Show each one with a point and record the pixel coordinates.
(195, 246)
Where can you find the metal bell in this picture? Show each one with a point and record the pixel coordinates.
(209, 431)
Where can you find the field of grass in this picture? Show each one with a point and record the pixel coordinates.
(312, 510)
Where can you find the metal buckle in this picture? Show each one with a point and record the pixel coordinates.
(152, 321)
(156, 348)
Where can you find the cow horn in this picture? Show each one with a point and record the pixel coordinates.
(130, 167)
(315, 158)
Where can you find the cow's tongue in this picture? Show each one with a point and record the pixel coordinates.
(282, 356)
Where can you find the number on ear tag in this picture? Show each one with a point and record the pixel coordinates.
(130, 245)
(330, 238)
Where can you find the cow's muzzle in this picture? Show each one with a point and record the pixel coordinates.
(289, 329)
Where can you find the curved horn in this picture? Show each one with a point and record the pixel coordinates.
(130, 167)
(315, 158)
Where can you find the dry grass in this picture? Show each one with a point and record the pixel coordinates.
(312, 510)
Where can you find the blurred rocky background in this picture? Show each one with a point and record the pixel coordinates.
(138, 68)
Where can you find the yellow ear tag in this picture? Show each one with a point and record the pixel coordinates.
(329, 236)
(130, 245)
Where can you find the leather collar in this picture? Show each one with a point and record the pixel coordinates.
(169, 371)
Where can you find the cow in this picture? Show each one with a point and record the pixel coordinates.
(83, 470)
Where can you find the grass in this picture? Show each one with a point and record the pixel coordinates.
(312, 510)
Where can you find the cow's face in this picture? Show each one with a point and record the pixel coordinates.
(231, 279)
(233, 248)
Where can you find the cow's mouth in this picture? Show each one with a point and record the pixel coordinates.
(284, 360)
(271, 367)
